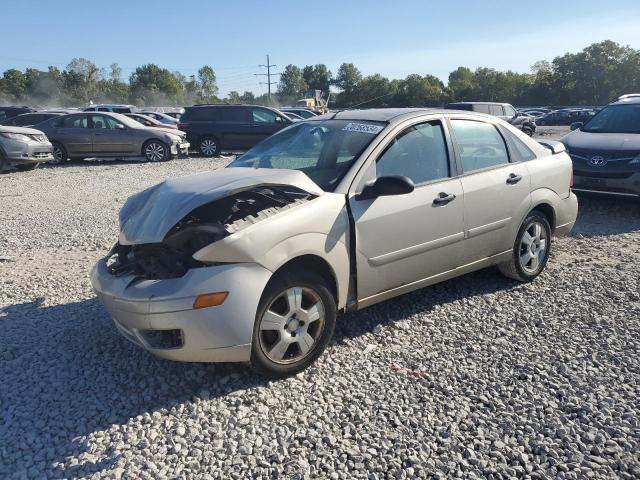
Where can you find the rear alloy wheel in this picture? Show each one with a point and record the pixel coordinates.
(209, 147)
(295, 322)
(531, 249)
(59, 154)
(528, 131)
(155, 151)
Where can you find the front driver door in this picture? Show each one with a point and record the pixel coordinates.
(407, 238)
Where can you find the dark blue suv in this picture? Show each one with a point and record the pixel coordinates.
(216, 128)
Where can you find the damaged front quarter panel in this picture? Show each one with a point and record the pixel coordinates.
(241, 198)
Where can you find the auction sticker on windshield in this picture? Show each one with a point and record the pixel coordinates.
(362, 128)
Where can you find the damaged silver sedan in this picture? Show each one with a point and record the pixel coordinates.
(254, 262)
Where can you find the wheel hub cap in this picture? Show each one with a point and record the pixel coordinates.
(533, 248)
(291, 325)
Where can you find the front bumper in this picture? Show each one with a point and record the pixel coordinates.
(181, 148)
(19, 152)
(625, 187)
(214, 334)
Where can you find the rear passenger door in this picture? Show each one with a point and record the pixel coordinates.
(495, 189)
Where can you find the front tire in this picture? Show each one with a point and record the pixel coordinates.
(531, 249)
(209, 147)
(295, 320)
(155, 151)
(60, 154)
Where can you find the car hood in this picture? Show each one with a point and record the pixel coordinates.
(147, 217)
(22, 130)
(602, 141)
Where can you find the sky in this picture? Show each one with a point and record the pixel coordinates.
(393, 38)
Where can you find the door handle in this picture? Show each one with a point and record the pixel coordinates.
(443, 198)
(513, 179)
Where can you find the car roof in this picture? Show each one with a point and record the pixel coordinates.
(392, 114)
(478, 103)
(627, 99)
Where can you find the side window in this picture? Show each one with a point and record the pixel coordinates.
(481, 107)
(121, 110)
(480, 145)
(111, 123)
(520, 152)
(99, 121)
(201, 114)
(496, 110)
(419, 152)
(24, 120)
(263, 116)
(509, 111)
(75, 121)
(103, 109)
(234, 115)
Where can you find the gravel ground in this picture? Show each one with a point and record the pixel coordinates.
(474, 377)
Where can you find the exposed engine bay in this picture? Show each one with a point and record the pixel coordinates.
(207, 224)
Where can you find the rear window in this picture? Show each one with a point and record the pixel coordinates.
(200, 114)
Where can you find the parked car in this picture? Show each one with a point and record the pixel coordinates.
(216, 128)
(10, 112)
(110, 135)
(606, 150)
(29, 119)
(254, 261)
(501, 110)
(175, 115)
(161, 117)
(23, 148)
(292, 116)
(115, 108)
(554, 118)
(303, 112)
(148, 121)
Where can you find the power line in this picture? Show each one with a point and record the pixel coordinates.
(268, 75)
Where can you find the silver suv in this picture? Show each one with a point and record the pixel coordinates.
(23, 148)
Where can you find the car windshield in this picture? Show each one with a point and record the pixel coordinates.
(324, 150)
(615, 119)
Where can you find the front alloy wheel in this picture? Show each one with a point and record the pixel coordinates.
(291, 325)
(155, 151)
(294, 323)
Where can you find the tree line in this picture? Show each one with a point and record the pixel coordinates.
(594, 76)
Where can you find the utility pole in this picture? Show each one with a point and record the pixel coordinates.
(268, 75)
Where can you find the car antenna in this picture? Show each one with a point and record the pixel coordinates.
(367, 101)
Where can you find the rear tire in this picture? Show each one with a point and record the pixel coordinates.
(209, 147)
(295, 320)
(60, 154)
(530, 250)
(528, 131)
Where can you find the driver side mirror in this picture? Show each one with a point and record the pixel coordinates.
(119, 126)
(386, 186)
(576, 125)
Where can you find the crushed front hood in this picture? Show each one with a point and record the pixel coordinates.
(146, 217)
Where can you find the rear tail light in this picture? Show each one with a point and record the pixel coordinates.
(182, 126)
